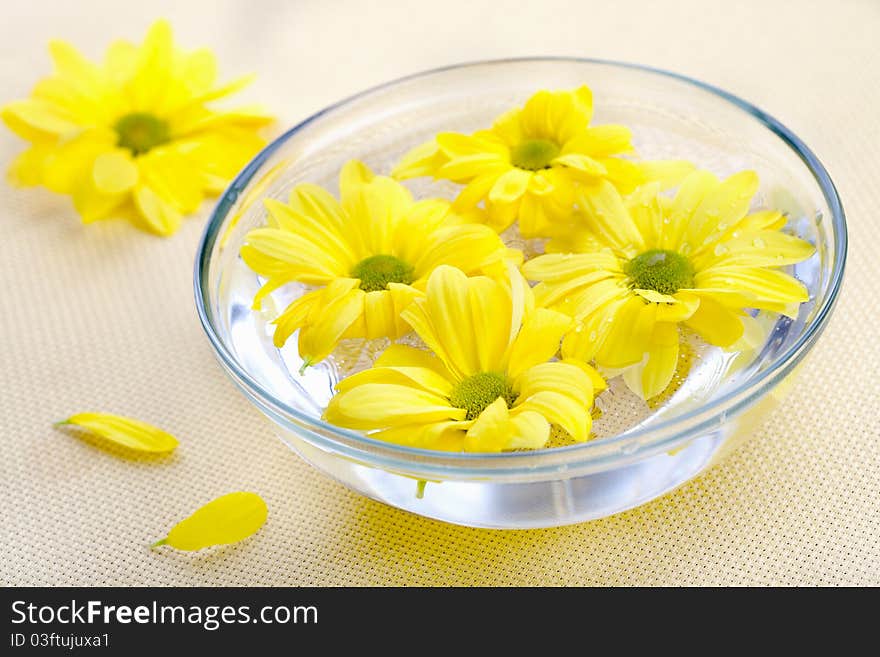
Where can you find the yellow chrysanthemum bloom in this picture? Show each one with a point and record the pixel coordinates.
(528, 165)
(489, 384)
(652, 263)
(368, 256)
(133, 136)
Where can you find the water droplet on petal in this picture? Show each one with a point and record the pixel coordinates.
(720, 249)
(593, 336)
(758, 243)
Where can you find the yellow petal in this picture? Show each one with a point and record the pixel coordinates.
(68, 165)
(476, 190)
(721, 207)
(596, 379)
(381, 313)
(295, 315)
(466, 322)
(227, 519)
(171, 175)
(199, 71)
(491, 431)
(565, 378)
(381, 405)
(557, 267)
(627, 340)
(510, 186)
(671, 308)
(124, 431)
(762, 220)
(625, 175)
(323, 234)
(650, 378)
(608, 217)
(694, 188)
(422, 377)
(354, 173)
(537, 341)
(645, 208)
(401, 355)
(583, 164)
(308, 262)
(147, 88)
(531, 430)
(561, 410)
(161, 216)
(755, 248)
(464, 168)
(322, 333)
(316, 202)
(668, 173)
(447, 436)
(497, 429)
(114, 172)
(601, 141)
(36, 120)
(715, 323)
(760, 283)
(423, 160)
(27, 169)
(467, 248)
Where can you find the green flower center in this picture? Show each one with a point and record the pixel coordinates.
(660, 270)
(377, 271)
(476, 392)
(139, 132)
(534, 154)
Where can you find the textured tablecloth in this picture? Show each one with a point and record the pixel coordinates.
(102, 317)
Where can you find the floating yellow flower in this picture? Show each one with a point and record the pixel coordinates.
(228, 519)
(368, 256)
(133, 136)
(527, 166)
(652, 263)
(487, 387)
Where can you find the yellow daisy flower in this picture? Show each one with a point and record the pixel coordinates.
(368, 256)
(489, 384)
(651, 263)
(527, 166)
(133, 135)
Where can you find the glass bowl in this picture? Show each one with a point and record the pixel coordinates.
(642, 451)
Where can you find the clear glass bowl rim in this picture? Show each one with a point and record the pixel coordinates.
(602, 454)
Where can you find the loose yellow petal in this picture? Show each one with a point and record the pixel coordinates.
(124, 431)
(227, 519)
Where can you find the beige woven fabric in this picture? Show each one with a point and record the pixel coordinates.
(102, 318)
